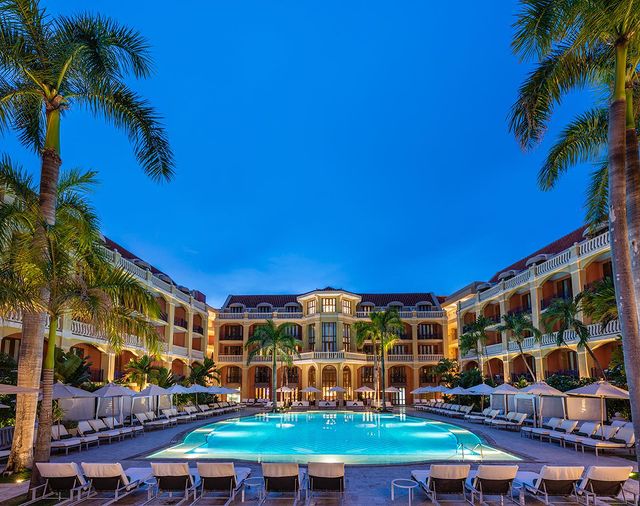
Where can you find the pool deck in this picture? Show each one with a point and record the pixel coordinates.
(368, 485)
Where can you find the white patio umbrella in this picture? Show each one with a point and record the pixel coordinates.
(177, 389)
(197, 389)
(12, 389)
(111, 391)
(542, 390)
(311, 390)
(227, 390)
(602, 390)
(62, 391)
(505, 389)
(391, 390)
(481, 389)
(153, 391)
(364, 390)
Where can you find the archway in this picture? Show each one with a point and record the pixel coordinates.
(563, 362)
(121, 361)
(496, 366)
(93, 358)
(178, 367)
(10, 345)
(347, 382)
(518, 367)
(329, 379)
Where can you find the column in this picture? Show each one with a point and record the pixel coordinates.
(189, 342)
(171, 312)
(584, 371)
(111, 367)
(503, 335)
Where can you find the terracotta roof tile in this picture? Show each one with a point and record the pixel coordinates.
(379, 299)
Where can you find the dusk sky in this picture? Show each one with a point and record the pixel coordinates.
(359, 144)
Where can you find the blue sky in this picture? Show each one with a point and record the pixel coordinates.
(358, 144)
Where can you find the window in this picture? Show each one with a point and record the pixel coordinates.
(607, 270)
(293, 331)
(563, 288)
(428, 349)
(365, 309)
(424, 307)
(311, 307)
(329, 305)
(346, 306)
(526, 301)
(264, 309)
(235, 309)
(399, 349)
(292, 309)
(429, 331)
(367, 374)
(329, 336)
(233, 332)
(311, 332)
(346, 336)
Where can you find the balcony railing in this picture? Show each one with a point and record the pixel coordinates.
(198, 329)
(400, 358)
(430, 335)
(181, 351)
(433, 358)
(180, 322)
(231, 337)
(494, 318)
(230, 358)
(259, 315)
(520, 310)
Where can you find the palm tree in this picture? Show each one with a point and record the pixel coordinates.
(204, 373)
(164, 377)
(520, 327)
(49, 64)
(599, 302)
(579, 43)
(477, 331)
(139, 370)
(80, 281)
(565, 314)
(276, 341)
(383, 329)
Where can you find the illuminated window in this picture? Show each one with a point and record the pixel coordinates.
(311, 332)
(329, 336)
(346, 306)
(311, 307)
(329, 305)
(346, 336)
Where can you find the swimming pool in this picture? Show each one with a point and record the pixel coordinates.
(333, 436)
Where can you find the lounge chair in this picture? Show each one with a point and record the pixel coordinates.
(514, 421)
(548, 426)
(490, 417)
(61, 438)
(281, 478)
(300, 404)
(624, 439)
(86, 429)
(472, 417)
(586, 430)
(327, 404)
(604, 481)
(113, 423)
(63, 481)
(112, 481)
(152, 424)
(618, 423)
(443, 479)
(462, 412)
(325, 477)
(172, 414)
(204, 408)
(99, 426)
(221, 478)
(492, 481)
(171, 479)
(192, 410)
(552, 481)
(566, 427)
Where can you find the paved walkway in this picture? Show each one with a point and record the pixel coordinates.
(365, 485)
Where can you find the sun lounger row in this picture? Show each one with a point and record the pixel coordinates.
(445, 409)
(596, 482)
(91, 432)
(585, 435)
(511, 421)
(76, 484)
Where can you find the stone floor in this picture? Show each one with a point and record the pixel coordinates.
(366, 485)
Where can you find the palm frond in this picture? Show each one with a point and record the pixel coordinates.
(597, 196)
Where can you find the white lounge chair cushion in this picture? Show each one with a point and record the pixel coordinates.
(277, 470)
(615, 474)
(223, 469)
(551, 473)
(171, 469)
(60, 470)
(66, 443)
(326, 469)
(498, 472)
(108, 470)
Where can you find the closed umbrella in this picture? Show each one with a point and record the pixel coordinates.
(153, 391)
(602, 390)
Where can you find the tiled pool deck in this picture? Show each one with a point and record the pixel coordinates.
(366, 485)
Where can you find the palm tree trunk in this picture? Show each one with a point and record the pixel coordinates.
(45, 417)
(29, 364)
(595, 361)
(620, 253)
(533, 376)
(274, 382)
(383, 379)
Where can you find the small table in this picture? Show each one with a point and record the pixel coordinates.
(150, 483)
(403, 483)
(257, 483)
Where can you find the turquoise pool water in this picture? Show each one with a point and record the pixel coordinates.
(333, 436)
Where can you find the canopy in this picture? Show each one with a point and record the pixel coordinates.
(481, 389)
(364, 390)
(541, 388)
(113, 390)
(337, 389)
(198, 389)
(439, 389)
(153, 391)
(62, 391)
(505, 388)
(420, 390)
(391, 390)
(456, 391)
(310, 390)
(12, 389)
(225, 390)
(600, 389)
(284, 389)
(177, 389)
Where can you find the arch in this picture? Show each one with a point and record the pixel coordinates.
(347, 382)
(293, 307)
(10, 345)
(259, 382)
(329, 379)
(518, 367)
(424, 305)
(399, 377)
(178, 367)
(496, 366)
(471, 364)
(264, 307)
(164, 311)
(236, 307)
(561, 361)
(93, 358)
(121, 361)
(312, 376)
(180, 317)
(231, 375)
(197, 324)
(427, 375)
(604, 353)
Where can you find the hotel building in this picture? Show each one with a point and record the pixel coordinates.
(182, 325)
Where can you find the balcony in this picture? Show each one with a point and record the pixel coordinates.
(400, 358)
(547, 301)
(180, 351)
(230, 358)
(520, 310)
(198, 329)
(231, 337)
(197, 355)
(430, 359)
(494, 349)
(180, 322)
(163, 316)
(430, 335)
(256, 315)
(494, 318)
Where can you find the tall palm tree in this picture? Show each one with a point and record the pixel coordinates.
(520, 327)
(75, 272)
(139, 370)
(599, 302)
(204, 373)
(567, 37)
(477, 331)
(565, 314)
(49, 64)
(277, 342)
(383, 329)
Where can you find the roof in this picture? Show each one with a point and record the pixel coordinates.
(553, 248)
(125, 253)
(379, 299)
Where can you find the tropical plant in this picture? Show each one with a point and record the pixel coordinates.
(139, 370)
(383, 329)
(70, 368)
(275, 341)
(164, 377)
(79, 280)
(592, 43)
(8, 369)
(520, 327)
(50, 64)
(448, 370)
(599, 302)
(476, 331)
(204, 373)
(565, 315)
